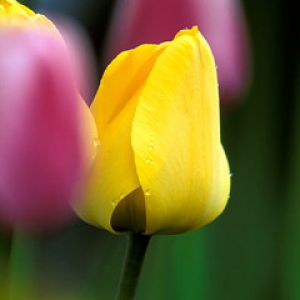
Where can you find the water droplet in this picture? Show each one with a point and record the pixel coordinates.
(147, 192)
(96, 143)
(150, 147)
(149, 161)
(117, 200)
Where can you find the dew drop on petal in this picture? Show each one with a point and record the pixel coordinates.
(147, 193)
(150, 147)
(114, 202)
(149, 161)
(96, 142)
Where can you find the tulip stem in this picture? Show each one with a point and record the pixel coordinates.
(137, 247)
(21, 267)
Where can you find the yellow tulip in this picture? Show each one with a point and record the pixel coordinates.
(160, 167)
(12, 13)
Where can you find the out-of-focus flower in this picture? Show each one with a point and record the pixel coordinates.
(160, 167)
(221, 22)
(82, 57)
(45, 128)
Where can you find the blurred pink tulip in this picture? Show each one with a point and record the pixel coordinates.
(41, 155)
(221, 22)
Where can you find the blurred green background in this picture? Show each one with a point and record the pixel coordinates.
(253, 250)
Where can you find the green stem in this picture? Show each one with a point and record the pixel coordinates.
(21, 267)
(137, 246)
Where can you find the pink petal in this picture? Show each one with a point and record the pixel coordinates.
(40, 147)
(221, 22)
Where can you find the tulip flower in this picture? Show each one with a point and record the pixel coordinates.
(161, 167)
(221, 22)
(45, 128)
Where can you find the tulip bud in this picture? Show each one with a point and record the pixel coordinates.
(42, 147)
(160, 167)
(220, 21)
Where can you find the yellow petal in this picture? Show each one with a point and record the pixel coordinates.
(13, 8)
(114, 176)
(121, 80)
(13, 14)
(89, 133)
(218, 196)
(176, 139)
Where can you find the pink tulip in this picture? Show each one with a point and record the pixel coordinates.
(221, 22)
(40, 136)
